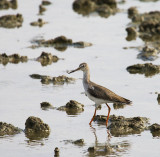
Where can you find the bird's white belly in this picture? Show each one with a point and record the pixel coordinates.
(96, 100)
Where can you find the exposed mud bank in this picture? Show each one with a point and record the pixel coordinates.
(14, 58)
(147, 69)
(60, 80)
(60, 43)
(11, 21)
(36, 129)
(8, 129)
(103, 8)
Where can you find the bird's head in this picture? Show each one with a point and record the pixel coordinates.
(82, 66)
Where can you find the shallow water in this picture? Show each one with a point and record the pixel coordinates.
(21, 95)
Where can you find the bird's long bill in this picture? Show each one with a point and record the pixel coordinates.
(73, 70)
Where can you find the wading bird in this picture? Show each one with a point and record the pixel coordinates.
(97, 93)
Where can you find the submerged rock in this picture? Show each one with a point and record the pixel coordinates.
(79, 142)
(14, 58)
(155, 129)
(42, 9)
(56, 152)
(8, 129)
(132, 11)
(124, 126)
(60, 80)
(36, 129)
(46, 105)
(47, 58)
(72, 107)
(148, 69)
(158, 99)
(45, 2)
(6, 4)
(101, 150)
(11, 21)
(104, 8)
(132, 33)
(39, 23)
(60, 43)
(148, 53)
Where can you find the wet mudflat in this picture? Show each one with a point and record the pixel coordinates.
(58, 110)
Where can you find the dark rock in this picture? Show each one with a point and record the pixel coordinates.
(56, 152)
(36, 129)
(6, 4)
(47, 58)
(59, 43)
(45, 2)
(104, 8)
(148, 69)
(132, 11)
(8, 129)
(42, 9)
(79, 142)
(39, 23)
(11, 21)
(155, 129)
(91, 149)
(60, 80)
(132, 33)
(72, 108)
(124, 126)
(46, 105)
(148, 53)
(14, 58)
(81, 44)
(158, 99)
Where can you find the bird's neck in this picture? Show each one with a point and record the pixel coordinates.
(86, 76)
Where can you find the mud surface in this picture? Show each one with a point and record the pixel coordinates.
(147, 27)
(14, 58)
(107, 149)
(6, 4)
(36, 129)
(72, 107)
(60, 80)
(46, 106)
(47, 58)
(147, 69)
(11, 21)
(38, 23)
(8, 129)
(103, 8)
(124, 126)
(155, 130)
(60, 43)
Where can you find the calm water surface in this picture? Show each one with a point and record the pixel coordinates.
(20, 96)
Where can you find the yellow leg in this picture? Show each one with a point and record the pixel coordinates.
(93, 117)
(109, 109)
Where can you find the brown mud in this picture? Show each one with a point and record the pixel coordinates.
(36, 129)
(8, 129)
(11, 21)
(72, 108)
(60, 43)
(103, 8)
(60, 80)
(147, 69)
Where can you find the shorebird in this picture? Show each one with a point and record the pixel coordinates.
(97, 93)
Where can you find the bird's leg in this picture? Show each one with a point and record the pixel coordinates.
(109, 109)
(93, 117)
